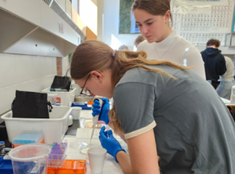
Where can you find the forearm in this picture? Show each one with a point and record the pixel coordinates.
(124, 162)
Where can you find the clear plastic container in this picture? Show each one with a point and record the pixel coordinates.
(30, 159)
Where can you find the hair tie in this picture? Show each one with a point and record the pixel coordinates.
(114, 53)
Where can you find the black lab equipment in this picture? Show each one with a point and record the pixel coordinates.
(30, 105)
(61, 83)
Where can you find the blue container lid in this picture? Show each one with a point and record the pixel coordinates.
(26, 138)
(83, 106)
(2, 142)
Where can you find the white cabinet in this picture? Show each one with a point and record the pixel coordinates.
(32, 27)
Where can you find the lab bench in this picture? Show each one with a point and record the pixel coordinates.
(80, 132)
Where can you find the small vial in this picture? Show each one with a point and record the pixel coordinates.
(2, 148)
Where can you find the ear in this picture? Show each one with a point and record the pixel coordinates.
(167, 15)
(98, 75)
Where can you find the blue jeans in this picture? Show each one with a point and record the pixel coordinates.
(224, 88)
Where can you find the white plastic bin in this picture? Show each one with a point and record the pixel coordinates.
(65, 97)
(53, 128)
(76, 112)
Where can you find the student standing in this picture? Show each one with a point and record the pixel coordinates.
(227, 79)
(160, 108)
(163, 43)
(214, 62)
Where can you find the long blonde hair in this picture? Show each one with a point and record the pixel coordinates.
(95, 55)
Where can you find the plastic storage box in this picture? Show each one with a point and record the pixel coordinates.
(27, 138)
(70, 167)
(76, 112)
(5, 166)
(57, 155)
(53, 128)
(63, 98)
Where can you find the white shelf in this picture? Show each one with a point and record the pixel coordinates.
(32, 27)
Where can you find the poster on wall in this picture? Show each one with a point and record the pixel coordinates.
(190, 16)
(202, 2)
(199, 23)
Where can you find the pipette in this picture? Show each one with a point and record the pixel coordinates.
(95, 119)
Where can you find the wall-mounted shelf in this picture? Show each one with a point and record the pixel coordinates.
(32, 27)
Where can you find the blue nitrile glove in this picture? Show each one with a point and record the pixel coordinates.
(109, 142)
(104, 116)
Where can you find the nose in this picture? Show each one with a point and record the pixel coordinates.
(144, 30)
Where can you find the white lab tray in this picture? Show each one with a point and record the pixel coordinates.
(66, 97)
(53, 128)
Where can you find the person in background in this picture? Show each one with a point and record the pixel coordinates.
(214, 61)
(138, 40)
(123, 47)
(160, 109)
(163, 43)
(227, 79)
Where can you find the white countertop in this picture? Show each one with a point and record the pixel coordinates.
(110, 165)
(83, 135)
(227, 102)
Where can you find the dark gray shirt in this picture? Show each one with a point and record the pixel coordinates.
(194, 132)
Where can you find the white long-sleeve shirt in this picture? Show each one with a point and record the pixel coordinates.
(176, 49)
(228, 75)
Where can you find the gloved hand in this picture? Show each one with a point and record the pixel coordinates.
(104, 113)
(109, 142)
